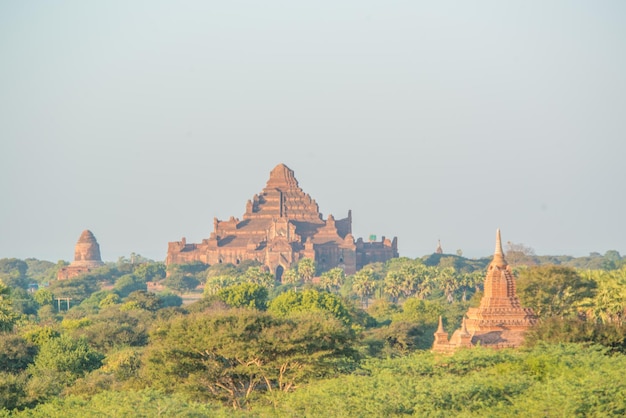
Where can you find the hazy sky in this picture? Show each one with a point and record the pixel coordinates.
(143, 120)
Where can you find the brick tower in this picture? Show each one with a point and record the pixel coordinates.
(500, 321)
(86, 257)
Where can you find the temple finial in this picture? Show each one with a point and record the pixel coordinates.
(498, 255)
(498, 243)
(440, 329)
(464, 327)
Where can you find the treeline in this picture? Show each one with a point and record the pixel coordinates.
(545, 381)
(250, 346)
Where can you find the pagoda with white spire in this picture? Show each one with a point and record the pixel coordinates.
(500, 321)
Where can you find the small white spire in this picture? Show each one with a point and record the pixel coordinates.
(498, 243)
(498, 255)
(464, 327)
(440, 329)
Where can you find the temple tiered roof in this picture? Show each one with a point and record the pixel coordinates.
(280, 226)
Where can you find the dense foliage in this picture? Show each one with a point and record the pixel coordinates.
(132, 339)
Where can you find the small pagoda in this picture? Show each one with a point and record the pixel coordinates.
(86, 257)
(500, 321)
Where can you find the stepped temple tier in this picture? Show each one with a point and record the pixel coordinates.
(282, 225)
(86, 257)
(500, 321)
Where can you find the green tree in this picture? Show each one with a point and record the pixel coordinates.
(193, 268)
(129, 403)
(113, 328)
(553, 290)
(41, 271)
(222, 269)
(129, 283)
(110, 300)
(608, 304)
(13, 272)
(520, 255)
(421, 312)
(471, 283)
(149, 272)
(309, 300)
(78, 288)
(259, 276)
(612, 260)
(140, 299)
(448, 281)
(233, 355)
(363, 285)
(418, 279)
(557, 330)
(23, 302)
(169, 299)
(59, 363)
(392, 285)
(44, 297)
(124, 363)
(216, 283)
(244, 295)
(291, 276)
(16, 353)
(12, 391)
(180, 282)
(8, 317)
(306, 269)
(332, 279)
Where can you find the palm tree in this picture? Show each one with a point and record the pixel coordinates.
(392, 285)
(332, 279)
(363, 285)
(291, 276)
(306, 269)
(470, 281)
(216, 283)
(260, 276)
(448, 281)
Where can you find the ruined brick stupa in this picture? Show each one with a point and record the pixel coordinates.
(500, 321)
(86, 257)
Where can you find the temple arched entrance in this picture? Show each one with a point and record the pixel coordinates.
(279, 273)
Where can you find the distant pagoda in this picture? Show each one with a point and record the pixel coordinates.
(86, 257)
(439, 250)
(500, 321)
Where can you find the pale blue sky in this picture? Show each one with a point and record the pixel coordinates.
(142, 121)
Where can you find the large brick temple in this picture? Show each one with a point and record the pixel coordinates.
(86, 257)
(500, 321)
(280, 226)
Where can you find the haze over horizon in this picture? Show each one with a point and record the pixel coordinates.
(142, 121)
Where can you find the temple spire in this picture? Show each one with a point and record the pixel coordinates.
(498, 242)
(440, 329)
(498, 255)
(439, 250)
(464, 327)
